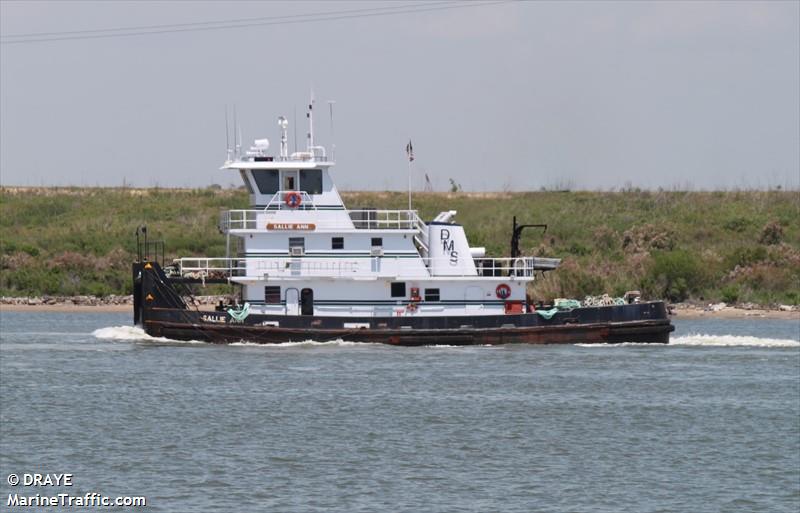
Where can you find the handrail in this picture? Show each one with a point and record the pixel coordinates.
(362, 219)
(374, 219)
(279, 200)
(287, 266)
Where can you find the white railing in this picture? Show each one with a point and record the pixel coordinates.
(362, 219)
(239, 220)
(370, 219)
(278, 201)
(287, 267)
(211, 267)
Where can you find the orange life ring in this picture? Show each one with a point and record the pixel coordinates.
(502, 291)
(293, 199)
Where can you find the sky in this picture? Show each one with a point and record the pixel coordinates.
(507, 96)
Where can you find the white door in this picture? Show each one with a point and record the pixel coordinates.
(289, 180)
(292, 302)
(472, 295)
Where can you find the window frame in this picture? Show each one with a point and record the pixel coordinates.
(433, 295)
(395, 285)
(266, 174)
(246, 180)
(305, 176)
(269, 295)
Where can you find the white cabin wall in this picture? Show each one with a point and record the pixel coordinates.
(394, 241)
(373, 297)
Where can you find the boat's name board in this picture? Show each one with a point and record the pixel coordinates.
(292, 226)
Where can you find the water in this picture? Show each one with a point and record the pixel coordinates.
(709, 423)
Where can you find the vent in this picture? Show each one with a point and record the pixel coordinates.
(296, 251)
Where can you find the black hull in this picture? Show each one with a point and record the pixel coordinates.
(163, 313)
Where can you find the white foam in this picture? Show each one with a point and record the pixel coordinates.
(701, 340)
(731, 340)
(621, 344)
(305, 343)
(135, 333)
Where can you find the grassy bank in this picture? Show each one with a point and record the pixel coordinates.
(741, 246)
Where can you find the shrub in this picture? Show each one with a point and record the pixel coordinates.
(730, 293)
(772, 233)
(576, 282)
(647, 237)
(744, 256)
(576, 248)
(606, 238)
(674, 275)
(737, 224)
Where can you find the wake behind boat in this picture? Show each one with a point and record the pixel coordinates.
(308, 268)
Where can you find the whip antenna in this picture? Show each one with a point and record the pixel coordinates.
(333, 139)
(227, 135)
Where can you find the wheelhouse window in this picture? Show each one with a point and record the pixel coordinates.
(337, 243)
(311, 181)
(246, 181)
(431, 294)
(267, 180)
(377, 242)
(272, 295)
(399, 289)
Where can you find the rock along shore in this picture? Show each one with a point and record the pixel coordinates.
(81, 301)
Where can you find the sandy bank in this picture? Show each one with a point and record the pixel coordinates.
(730, 312)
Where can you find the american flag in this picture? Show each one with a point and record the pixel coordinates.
(410, 151)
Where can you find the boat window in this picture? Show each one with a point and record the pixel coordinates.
(377, 242)
(267, 180)
(297, 242)
(311, 181)
(246, 181)
(431, 294)
(272, 295)
(337, 243)
(399, 289)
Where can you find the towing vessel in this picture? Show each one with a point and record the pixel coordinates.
(308, 268)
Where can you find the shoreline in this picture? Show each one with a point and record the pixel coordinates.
(677, 311)
(730, 312)
(80, 308)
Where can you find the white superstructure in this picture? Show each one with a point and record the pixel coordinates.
(299, 251)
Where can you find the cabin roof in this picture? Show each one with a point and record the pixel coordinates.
(277, 164)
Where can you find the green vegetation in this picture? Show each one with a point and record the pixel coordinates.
(740, 246)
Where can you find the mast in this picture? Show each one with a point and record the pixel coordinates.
(310, 116)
